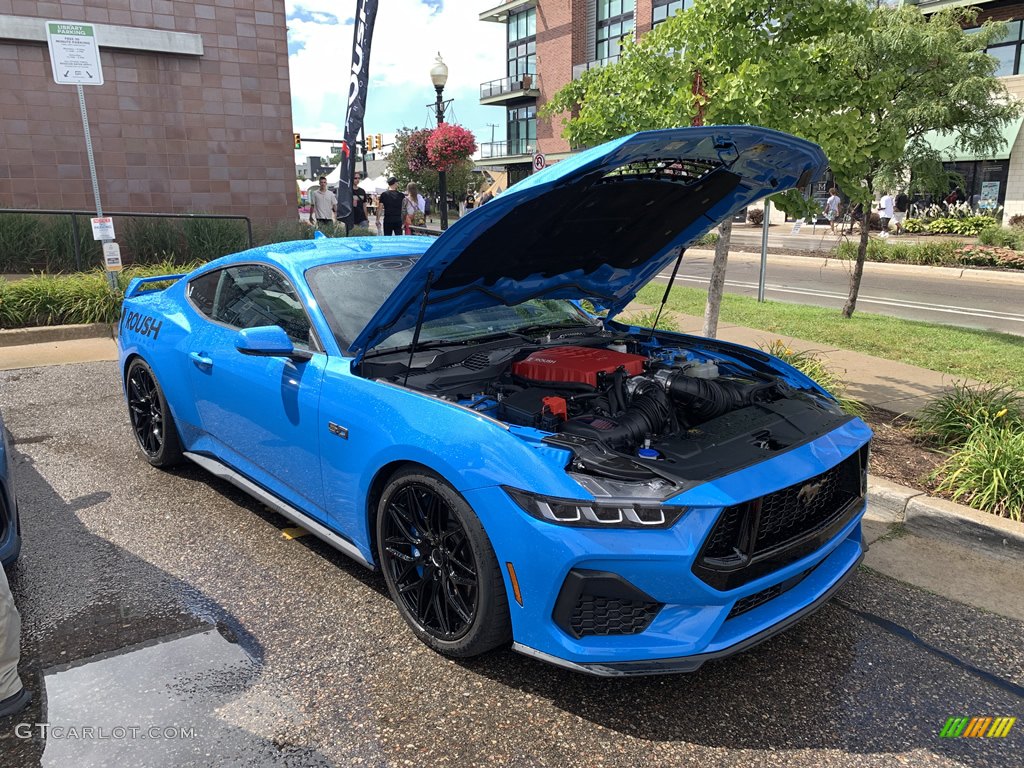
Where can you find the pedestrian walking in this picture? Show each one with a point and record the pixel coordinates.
(832, 208)
(412, 208)
(14, 696)
(323, 205)
(901, 205)
(359, 216)
(885, 211)
(391, 202)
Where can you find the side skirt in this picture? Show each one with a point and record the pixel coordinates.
(298, 517)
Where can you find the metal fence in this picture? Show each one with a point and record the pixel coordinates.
(75, 227)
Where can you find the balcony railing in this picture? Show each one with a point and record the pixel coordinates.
(526, 85)
(510, 148)
(579, 69)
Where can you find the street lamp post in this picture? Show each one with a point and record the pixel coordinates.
(439, 76)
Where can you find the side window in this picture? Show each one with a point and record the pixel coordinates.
(252, 295)
(203, 291)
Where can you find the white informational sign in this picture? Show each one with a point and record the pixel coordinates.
(989, 195)
(74, 53)
(112, 257)
(796, 226)
(539, 162)
(102, 228)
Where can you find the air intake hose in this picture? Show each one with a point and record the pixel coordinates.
(647, 414)
(706, 399)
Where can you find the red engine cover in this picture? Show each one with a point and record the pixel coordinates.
(580, 364)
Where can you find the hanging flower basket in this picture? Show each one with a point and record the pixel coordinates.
(416, 150)
(448, 145)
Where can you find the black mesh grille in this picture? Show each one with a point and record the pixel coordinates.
(596, 615)
(750, 602)
(477, 361)
(723, 538)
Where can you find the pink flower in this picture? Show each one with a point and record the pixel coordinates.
(448, 145)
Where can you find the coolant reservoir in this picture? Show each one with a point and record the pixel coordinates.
(706, 370)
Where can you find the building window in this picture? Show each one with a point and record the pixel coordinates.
(522, 44)
(614, 21)
(666, 9)
(522, 129)
(1007, 50)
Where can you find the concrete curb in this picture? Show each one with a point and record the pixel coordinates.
(49, 334)
(941, 519)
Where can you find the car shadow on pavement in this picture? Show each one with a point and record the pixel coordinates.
(82, 597)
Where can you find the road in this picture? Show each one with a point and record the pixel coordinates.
(122, 557)
(971, 298)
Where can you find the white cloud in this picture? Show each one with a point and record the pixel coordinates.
(407, 36)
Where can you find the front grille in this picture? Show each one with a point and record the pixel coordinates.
(596, 615)
(757, 536)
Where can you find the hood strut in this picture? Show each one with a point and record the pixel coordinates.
(668, 289)
(419, 324)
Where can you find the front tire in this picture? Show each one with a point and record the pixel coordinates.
(440, 567)
(150, 417)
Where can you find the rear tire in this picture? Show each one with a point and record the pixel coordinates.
(150, 417)
(440, 567)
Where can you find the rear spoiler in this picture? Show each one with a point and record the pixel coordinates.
(135, 287)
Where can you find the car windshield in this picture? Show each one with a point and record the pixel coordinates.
(351, 292)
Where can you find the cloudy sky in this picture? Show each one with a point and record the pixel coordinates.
(407, 37)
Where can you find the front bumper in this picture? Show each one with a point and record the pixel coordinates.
(695, 620)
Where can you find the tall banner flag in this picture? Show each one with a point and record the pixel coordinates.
(366, 14)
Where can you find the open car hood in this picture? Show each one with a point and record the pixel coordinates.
(597, 225)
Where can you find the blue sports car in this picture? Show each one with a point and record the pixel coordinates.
(608, 498)
(10, 524)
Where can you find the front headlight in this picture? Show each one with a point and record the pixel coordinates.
(606, 513)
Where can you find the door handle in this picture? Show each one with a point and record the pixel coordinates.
(200, 360)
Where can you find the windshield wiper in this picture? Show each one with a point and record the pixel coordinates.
(548, 327)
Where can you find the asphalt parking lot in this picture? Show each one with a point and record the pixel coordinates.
(118, 554)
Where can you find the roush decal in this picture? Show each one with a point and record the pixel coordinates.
(144, 325)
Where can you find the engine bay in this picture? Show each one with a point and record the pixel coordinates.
(628, 406)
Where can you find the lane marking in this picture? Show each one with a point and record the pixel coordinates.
(989, 314)
(293, 533)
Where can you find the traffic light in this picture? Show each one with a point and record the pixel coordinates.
(298, 141)
(380, 141)
(368, 144)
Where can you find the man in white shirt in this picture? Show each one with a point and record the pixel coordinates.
(885, 211)
(832, 208)
(322, 204)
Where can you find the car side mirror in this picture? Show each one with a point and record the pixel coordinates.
(269, 341)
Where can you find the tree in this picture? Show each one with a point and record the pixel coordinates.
(916, 74)
(760, 62)
(865, 82)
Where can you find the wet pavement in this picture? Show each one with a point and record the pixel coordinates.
(119, 558)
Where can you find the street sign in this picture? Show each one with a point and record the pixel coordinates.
(539, 162)
(796, 226)
(102, 228)
(74, 53)
(112, 257)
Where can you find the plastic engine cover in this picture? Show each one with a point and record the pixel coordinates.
(576, 364)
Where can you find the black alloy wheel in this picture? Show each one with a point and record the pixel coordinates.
(440, 567)
(150, 417)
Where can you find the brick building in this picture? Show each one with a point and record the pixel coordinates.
(548, 44)
(194, 114)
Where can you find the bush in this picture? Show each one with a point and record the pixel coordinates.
(914, 226)
(952, 417)
(1017, 220)
(990, 256)
(755, 216)
(930, 254)
(987, 471)
(150, 241)
(1002, 237)
(208, 239)
(708, 238)
(811, 365)
(646, 320)
(970, 226)
(83, 297)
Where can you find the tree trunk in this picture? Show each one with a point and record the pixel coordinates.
(717, 284)
(858, 268)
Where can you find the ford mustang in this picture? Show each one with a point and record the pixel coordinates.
(467, 414)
